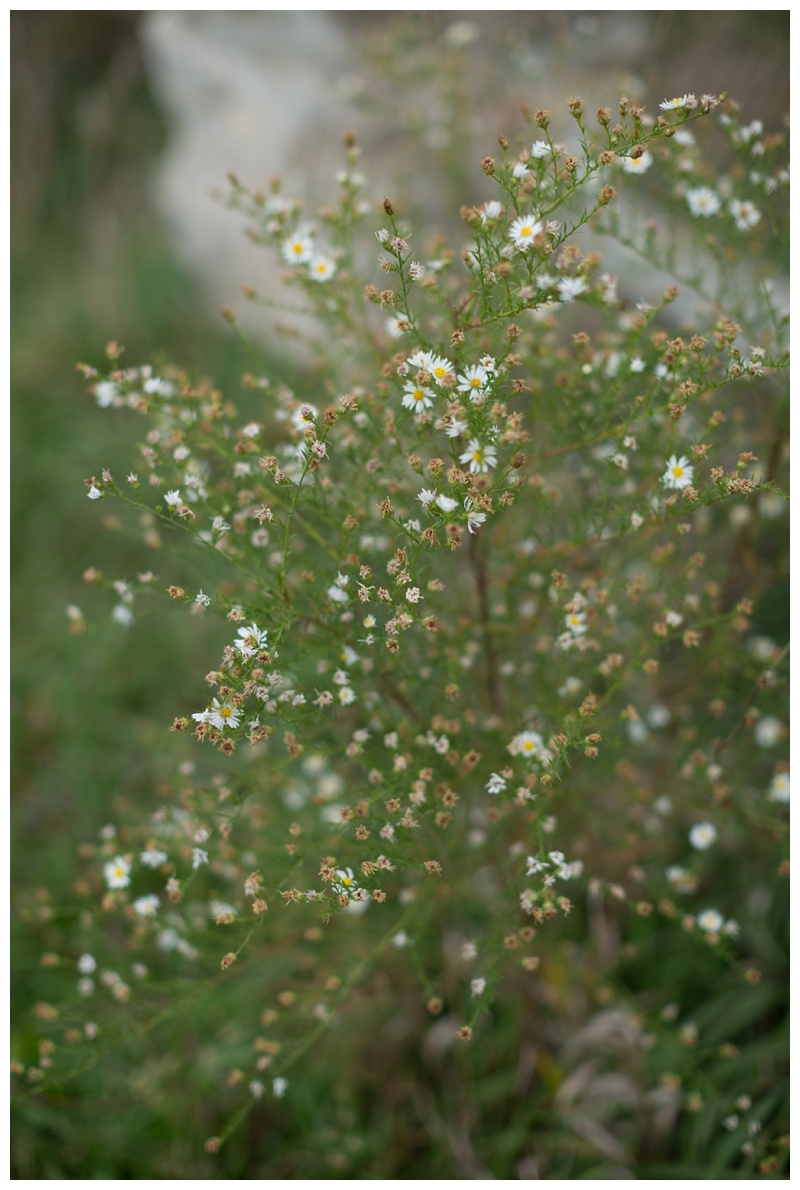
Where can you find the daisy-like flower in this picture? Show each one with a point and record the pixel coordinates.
(446, 503)
(345, 883)
(679, 102)
(495, 784)
(479, 457)
(321, 268)
(523, 231)
(417, 398)
(540, 148)
(346, 695)
(117, 873)
(475, 520)
(576, 622)
(147, 906)
(768, 731)
(251, 640)
(199, 857)
(637, 165)
(571, 287)
(279, 1086)
(527, 743)
(426, 497)
(153, 858)
(710, 921)
(477, 987)
(703, 201)
(702, 835)
(679, 472)
(299, 249)
(87, 964)
(745, 214)
(491, 210)
(94, 493)
(779, 788)
(222, 714)
(473, 381)
(438, 366)
(105, 392)
(455, 428)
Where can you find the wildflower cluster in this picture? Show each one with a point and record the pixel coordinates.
(470, 563)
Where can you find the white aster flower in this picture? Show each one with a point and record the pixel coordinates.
(279, 1086)
(221, 715)
(199, 857)
(250, 641)
(702, 835)
(477, 987)
(710, 921)
(495, 784)
(679, 472)
(438, 366)
(299, 249)
(703, 201)
(523, 231)
(417, 398)
(576, 622)
(474, 519)
(94, 493)
(527, 743)
(87, 964)
(173, 498)
(745, 214)
(446, 503)
(117, 873)
(345, 883)
(571, 287)
(779, 788)
(479, 457)
(540, 148)
(321, 268)
(346, 695)
(146, 906)
(637, 165)
(105, 392)
(768, 731)
(153, 858)
(474, 381)
(491, 210)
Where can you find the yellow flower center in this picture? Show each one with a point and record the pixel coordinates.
(439, 372)
(526, 230)
(297, 248)
(475, 382)
(418, 394)
(476, 454)
(225, 712)
(677, 472)
(528, 746)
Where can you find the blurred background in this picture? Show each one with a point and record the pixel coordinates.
(122, 124)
